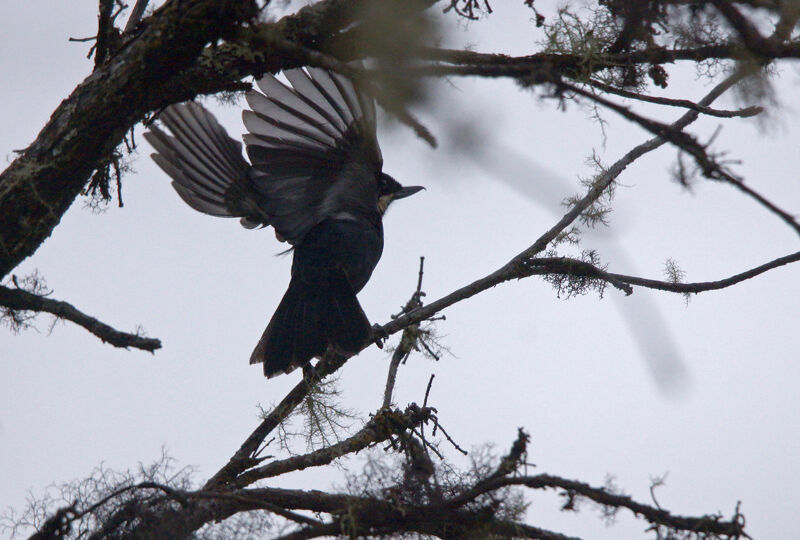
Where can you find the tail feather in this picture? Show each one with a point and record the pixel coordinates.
(309, 320)
(348, 326)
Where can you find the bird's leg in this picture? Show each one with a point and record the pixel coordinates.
(309, 373)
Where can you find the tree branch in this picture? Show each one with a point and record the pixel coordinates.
(749, 34)
(512, 529)
(18, 299)
(710, 167)
(384, 424)
(327, 529)
(517, 264)
(705, 524)
(243, 458)
(407, 341)
(136, 15)
(747, 112)
(574, 267)
(577, 66)
(707, 285)
(40, 184)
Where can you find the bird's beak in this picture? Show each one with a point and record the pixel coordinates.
(406, 191)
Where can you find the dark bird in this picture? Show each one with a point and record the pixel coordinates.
(315, 176)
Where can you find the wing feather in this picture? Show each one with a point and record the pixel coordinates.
(205, 164)
(303, 141)
(312, 145)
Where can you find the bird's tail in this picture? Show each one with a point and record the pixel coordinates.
(307, 321)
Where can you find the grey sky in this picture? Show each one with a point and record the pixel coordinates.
(570, 372)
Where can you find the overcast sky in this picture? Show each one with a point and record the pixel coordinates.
(577, 375)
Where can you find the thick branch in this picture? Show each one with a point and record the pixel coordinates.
(532, 67)
(747, 31)
(39, 186)
(18, 299)
(365, 515)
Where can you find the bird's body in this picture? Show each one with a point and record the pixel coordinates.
(315, 176)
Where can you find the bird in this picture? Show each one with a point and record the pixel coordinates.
(315, 175)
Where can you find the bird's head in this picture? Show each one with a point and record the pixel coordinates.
(390, 190)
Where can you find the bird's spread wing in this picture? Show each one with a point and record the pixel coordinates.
(311, 145)
(206, 165)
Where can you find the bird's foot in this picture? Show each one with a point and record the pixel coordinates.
(379, 335)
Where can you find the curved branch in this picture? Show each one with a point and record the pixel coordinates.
(18, 299)
(578, 268)
(707, 285)
(747, 112)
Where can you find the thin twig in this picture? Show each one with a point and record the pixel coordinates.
(747, 112)
(428, 390)
(688, 143)
(438, 427)
(407, 341)
(425, 404)
(136, 15)
(400, 353)
(707, 285)
(511, 269)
